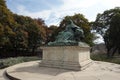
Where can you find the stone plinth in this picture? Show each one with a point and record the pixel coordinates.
(66, 57)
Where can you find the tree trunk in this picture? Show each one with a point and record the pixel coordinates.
(118, 50)
(33, 50)
(15, 52)
(114, 50)
(108, 53)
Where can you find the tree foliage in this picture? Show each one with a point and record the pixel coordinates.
(19, 32)
(112, 39)
(43, 29)
(103, 20)
(51, 33)
(108, 25)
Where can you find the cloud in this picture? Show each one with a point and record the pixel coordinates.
(89, 8)
(21, 9)
(99, 39)
(77, 4)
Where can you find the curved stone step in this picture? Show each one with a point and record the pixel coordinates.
(2, 75)
(10, 77)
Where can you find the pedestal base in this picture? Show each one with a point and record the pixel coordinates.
(66, 57)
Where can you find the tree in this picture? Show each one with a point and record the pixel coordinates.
(102, 22)
(51, 33)
(112, 39)
(6, 22)
(34, 38)
(2, 3)
(1, 35)
(18, 32)
(28, 32)
(6, 16)
(105, 25)
(43, 29)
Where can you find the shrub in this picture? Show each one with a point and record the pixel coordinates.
(12, 61)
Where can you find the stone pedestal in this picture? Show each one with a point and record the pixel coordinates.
(66, 57)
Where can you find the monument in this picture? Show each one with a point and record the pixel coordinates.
(67, 51)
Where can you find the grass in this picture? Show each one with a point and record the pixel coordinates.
(103, 57)
(12, 61)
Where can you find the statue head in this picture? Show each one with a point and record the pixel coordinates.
(69, 21)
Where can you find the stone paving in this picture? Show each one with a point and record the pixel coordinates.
(97, 71)
(2, 75)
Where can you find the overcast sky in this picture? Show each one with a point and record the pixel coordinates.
(53, 11)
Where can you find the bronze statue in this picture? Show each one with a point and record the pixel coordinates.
(70, 36)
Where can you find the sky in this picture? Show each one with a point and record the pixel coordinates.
(53, 11)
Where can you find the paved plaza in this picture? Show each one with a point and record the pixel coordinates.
(32, 71)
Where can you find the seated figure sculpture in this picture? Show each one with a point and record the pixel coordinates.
(71, 36)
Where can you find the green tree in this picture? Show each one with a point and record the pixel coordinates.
(51, 33)
(43, 29)
(6, 16)
(103, 20)
(2, 3)
(103, 24)
(1, 35)
(28, 30)
(6, 21)
(112, 38)
(18, 32)
(34, 36)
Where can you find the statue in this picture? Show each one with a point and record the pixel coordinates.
(72, 35)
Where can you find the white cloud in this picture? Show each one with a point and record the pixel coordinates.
(42, 14)
(89, 8)
(99, 39)
(78, 3)
(21, 9)
(110, 3)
